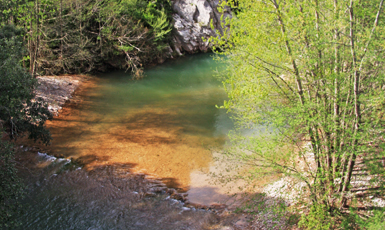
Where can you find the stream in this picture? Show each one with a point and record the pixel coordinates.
(130, 134)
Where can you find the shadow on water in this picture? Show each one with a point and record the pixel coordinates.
(112, 196)
(104, 197)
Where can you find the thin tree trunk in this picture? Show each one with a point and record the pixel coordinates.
(372, 31)
(357, 113)
(288, 48)
(34, 66)
(61, 30)
(31, 52)
(336, 157)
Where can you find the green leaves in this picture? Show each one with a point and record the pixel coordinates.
(311, 72)
(10, 187)
(126, 48)
(19, 114)
(318, 218)
(158, 20)
(83, 36)
(18, 111)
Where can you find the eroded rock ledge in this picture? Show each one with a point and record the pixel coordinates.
(56, 90)
(192, 24)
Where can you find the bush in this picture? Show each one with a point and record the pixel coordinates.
(318, 218)
(377, 222)
(10, 187)
(19, 112)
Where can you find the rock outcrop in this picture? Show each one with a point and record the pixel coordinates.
(57, 90)
(192, 24)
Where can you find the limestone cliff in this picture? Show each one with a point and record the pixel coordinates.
(192, 19)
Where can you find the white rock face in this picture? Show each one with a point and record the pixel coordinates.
(192, 19)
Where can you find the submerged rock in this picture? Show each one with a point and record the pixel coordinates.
(195, 21)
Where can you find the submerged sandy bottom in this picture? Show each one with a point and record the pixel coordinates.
(165, 126)
(155, 148)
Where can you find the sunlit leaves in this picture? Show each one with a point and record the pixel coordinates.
(292, 69)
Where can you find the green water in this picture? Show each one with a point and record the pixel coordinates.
(164, 126)
(186, 87)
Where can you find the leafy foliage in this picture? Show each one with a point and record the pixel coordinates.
(10, 187)
(318, 218)
(158, 21)
(8, 9)
(376, 222)
(19, 112)
(307, 77)
(84, 36)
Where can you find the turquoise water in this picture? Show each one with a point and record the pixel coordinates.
(186, 87)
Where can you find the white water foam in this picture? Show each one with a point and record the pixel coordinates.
(46, 156)
(50, 158)
(67, 161)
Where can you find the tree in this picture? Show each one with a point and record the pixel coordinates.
(9, 10)
(11, 186)
(309, 73)
(83, 36)
(20, 112)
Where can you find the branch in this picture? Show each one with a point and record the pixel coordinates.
(268, 63)
(273, 73)
(289, 51)
(371, 33)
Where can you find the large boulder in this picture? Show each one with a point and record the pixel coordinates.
(192, 24)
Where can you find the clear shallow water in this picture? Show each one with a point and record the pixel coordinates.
(164, 125)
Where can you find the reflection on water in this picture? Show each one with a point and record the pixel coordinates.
(165, 124)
